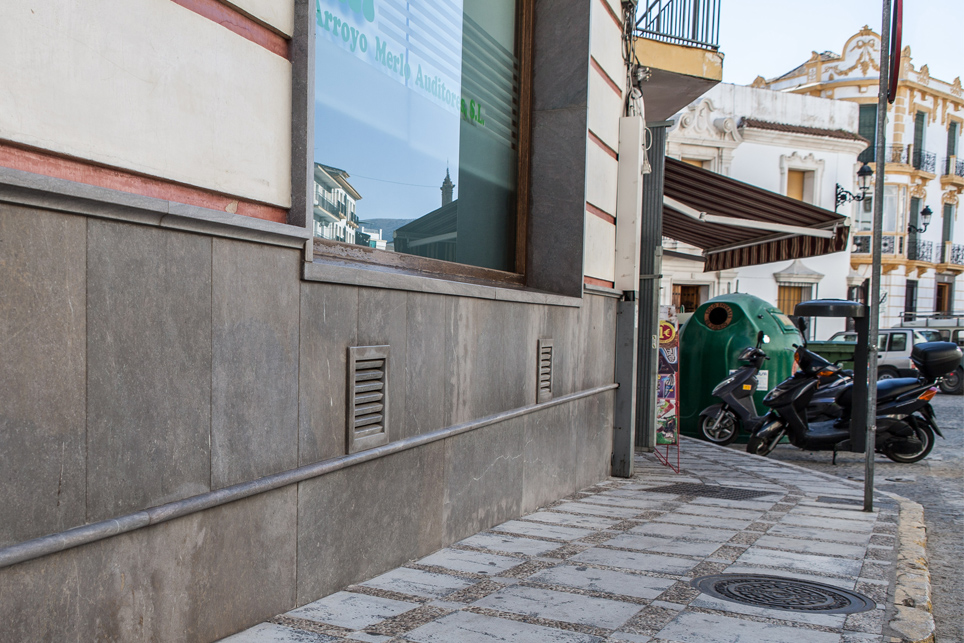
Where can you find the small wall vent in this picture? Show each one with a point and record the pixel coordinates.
(544, 375)
(367, 414)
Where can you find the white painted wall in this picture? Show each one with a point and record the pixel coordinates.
(153, 87)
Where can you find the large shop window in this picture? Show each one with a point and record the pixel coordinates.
(417, 128)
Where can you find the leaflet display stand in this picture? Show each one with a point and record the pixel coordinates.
(667, 389)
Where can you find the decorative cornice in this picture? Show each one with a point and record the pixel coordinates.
(698, 123)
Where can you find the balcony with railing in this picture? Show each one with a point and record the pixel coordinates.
(952, 172)
(678, 41)
(918, 250)
(952, 254)
(919, 159)
(694, 23)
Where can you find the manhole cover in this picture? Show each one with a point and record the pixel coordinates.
(712, 491)
(787, 594)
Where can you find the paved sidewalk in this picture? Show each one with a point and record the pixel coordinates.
(615, 561)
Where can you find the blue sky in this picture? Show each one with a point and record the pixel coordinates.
(771, 37)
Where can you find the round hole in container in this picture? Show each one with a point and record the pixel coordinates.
(718, 316)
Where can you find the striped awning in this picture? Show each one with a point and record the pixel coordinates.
(738, 224)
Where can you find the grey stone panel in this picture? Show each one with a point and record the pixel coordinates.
(595, 345)
(425, 373)
(197, 578)
(254, 425)
(519, 343)
(592, 422)
(560, 76)
(557, 206)
(563, 328)
(364, 520)
(149, 367)
(329, 320)
(548, 456)
(42, 372)
(383, 319)
(483, 478)
(475, 355)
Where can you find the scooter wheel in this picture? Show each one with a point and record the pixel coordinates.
(953, 383)
(759, 446)
(926, 436)
(722, 432)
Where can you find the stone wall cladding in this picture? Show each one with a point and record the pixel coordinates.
(261, 356)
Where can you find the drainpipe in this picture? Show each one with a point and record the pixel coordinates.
(650, 267)
(629, 189)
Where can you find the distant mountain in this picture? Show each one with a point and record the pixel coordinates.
(387, 226)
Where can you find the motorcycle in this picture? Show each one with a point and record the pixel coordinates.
(721, 423)
(906, 423)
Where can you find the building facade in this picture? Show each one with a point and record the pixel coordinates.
(211, 409)
(798, 146)
(922, 271)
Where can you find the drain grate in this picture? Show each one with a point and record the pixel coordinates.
(786, 594)
(712, 491)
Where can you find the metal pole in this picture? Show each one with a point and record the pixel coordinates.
(874, 325)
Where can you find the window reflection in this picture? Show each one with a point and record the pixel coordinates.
(416, 130)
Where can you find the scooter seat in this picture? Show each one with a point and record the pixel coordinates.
(889, 389)
(886, 389)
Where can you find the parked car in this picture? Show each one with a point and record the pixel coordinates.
(950, 328)
(893, 350)
(895, 344)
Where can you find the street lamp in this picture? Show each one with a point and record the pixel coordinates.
(863, 182)
(925, 218)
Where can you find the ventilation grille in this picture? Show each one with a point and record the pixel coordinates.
(544, 375)
(367, 415)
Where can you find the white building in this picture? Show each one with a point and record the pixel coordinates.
(921, 271)
(799, 146)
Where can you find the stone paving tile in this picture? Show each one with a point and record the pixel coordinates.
(636, 561)
(738, 504)
(810, 547)
(474, 562)
(351, 611)
(827, 512)
(626, 499)
(663, 545)
(834, 524)
(570, 520)
(725, 513)
(596, 509)
(685, 532)
(273, 633)
(695, 627)
(604, 580)
(542, 530)
(418, 583)
(508, 544)
(466, 627)
(703, 521)
(561, 606)
(800, 562)
(814, 533)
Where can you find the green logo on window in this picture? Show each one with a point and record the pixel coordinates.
(363, 7)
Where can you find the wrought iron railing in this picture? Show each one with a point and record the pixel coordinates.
(953, 166)
(954, 253)
(920, 251)
(681, 22)
(898, 153)
(861, 245)
(924, 160)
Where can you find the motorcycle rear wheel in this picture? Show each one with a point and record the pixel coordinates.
(759, 446)
(725, 431)
(926, 436)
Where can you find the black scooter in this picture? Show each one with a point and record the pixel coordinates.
(905, 420)
(721, 423)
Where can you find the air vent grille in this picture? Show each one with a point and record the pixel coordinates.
(367, 415)
(544, 374)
